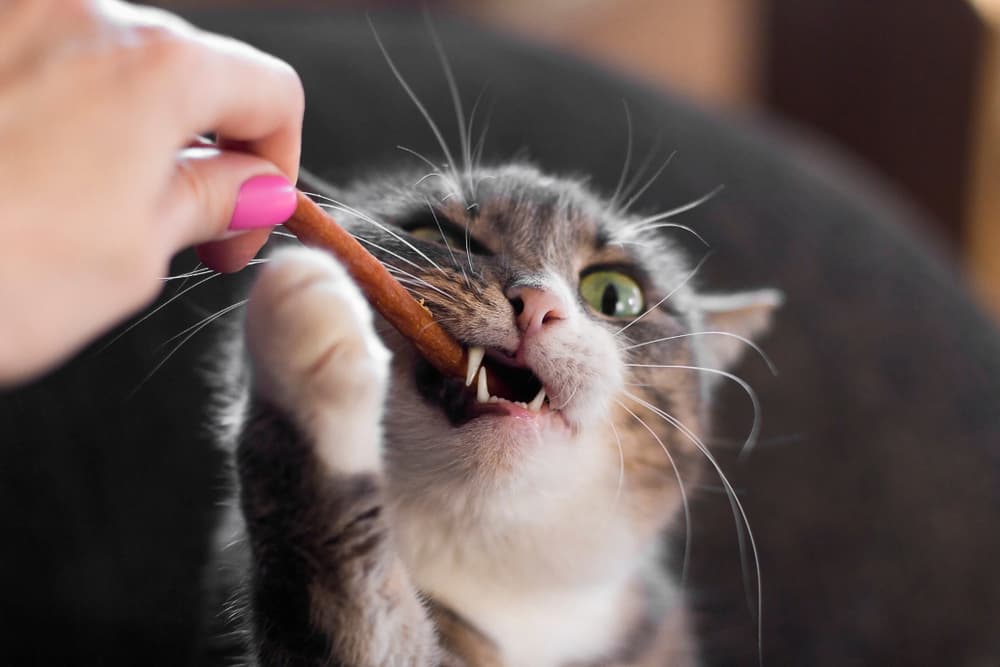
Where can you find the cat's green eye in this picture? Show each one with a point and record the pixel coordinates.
(426, 234)
(434, 235)
(612, 293)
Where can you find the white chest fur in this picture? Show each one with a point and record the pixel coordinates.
(549, 629)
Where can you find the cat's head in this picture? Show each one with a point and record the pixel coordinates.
(588, 317)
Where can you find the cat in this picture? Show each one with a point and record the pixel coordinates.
(397, 517)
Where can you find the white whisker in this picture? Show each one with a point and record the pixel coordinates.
(621, 461)
(194, 273)
(405, 276)
(681, 209)
(413, 97)
(680, 486)
(433, 174)
(652, 179)
(755, 429)
(154, 311)
(756, 348)
(371, 243)
(420, 156)
(656, 305)
(199, 326)
(455, 98)
(645, 229)
(203, 321)
(641, 171)
(350, 210)
(739, 513)
(476, 153)
(628, 156)
(444, 237)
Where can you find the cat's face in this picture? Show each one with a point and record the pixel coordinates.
(565, 296)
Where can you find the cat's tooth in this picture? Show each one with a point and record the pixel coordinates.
(536, 402)
(482, 391)
(475, 359)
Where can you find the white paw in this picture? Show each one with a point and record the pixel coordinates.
(316, 356)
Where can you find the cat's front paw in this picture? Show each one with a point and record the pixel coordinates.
(316, 356)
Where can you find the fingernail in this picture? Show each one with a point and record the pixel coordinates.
(263, 201)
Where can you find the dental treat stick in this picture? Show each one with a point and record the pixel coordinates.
(315, 228)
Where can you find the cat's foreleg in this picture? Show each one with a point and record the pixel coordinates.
(326, 585)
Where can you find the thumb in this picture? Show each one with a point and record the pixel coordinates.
(214, 192)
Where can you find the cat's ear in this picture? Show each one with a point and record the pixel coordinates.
(744, 314)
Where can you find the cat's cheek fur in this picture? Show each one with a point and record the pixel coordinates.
(317, 357)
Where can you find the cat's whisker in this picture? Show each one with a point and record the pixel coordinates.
(456, 101)
(621, 461)
(369, 242)
(478, 158)
(475, 152)
(681, 209)
(317, 195)
(468, 249)
(755, 429)
(420, 156)
(413, 287)
(568, 399)
(444, 238)
(645, 229)
(652, 179)
(194, 273)
(154, 311)
(628, 157)
(367, 218)
(205, 320)
(739, 513)
(640, 172)
(680, 486)
(447, 179)
(656, 305)
(282, 234)
(413, 97)
(433, 174)
(756, 348)
(196, 329)
(402, 276)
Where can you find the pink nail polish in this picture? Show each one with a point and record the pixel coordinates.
(263, 201)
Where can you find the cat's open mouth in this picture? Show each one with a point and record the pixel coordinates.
(505, 389)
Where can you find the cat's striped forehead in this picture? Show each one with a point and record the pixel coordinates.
(530, 219)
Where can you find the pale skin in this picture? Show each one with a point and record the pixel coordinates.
(99, 187)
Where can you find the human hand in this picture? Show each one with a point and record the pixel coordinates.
(99, 103)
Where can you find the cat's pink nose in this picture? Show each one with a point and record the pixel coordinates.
(535, 308)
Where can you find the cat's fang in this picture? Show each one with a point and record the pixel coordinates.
(536, 402)
(482, 391)
(476, 354)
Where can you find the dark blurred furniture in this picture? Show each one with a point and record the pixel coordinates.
(874, 494)
(893, 82)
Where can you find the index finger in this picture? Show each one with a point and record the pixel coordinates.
(250, 99)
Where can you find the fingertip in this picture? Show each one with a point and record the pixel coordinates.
(263, 201)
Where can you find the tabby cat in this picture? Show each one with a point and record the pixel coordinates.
(394, 516)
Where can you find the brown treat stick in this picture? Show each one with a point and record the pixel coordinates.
(315, 228)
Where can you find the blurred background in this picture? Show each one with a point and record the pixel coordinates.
(909, 89)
